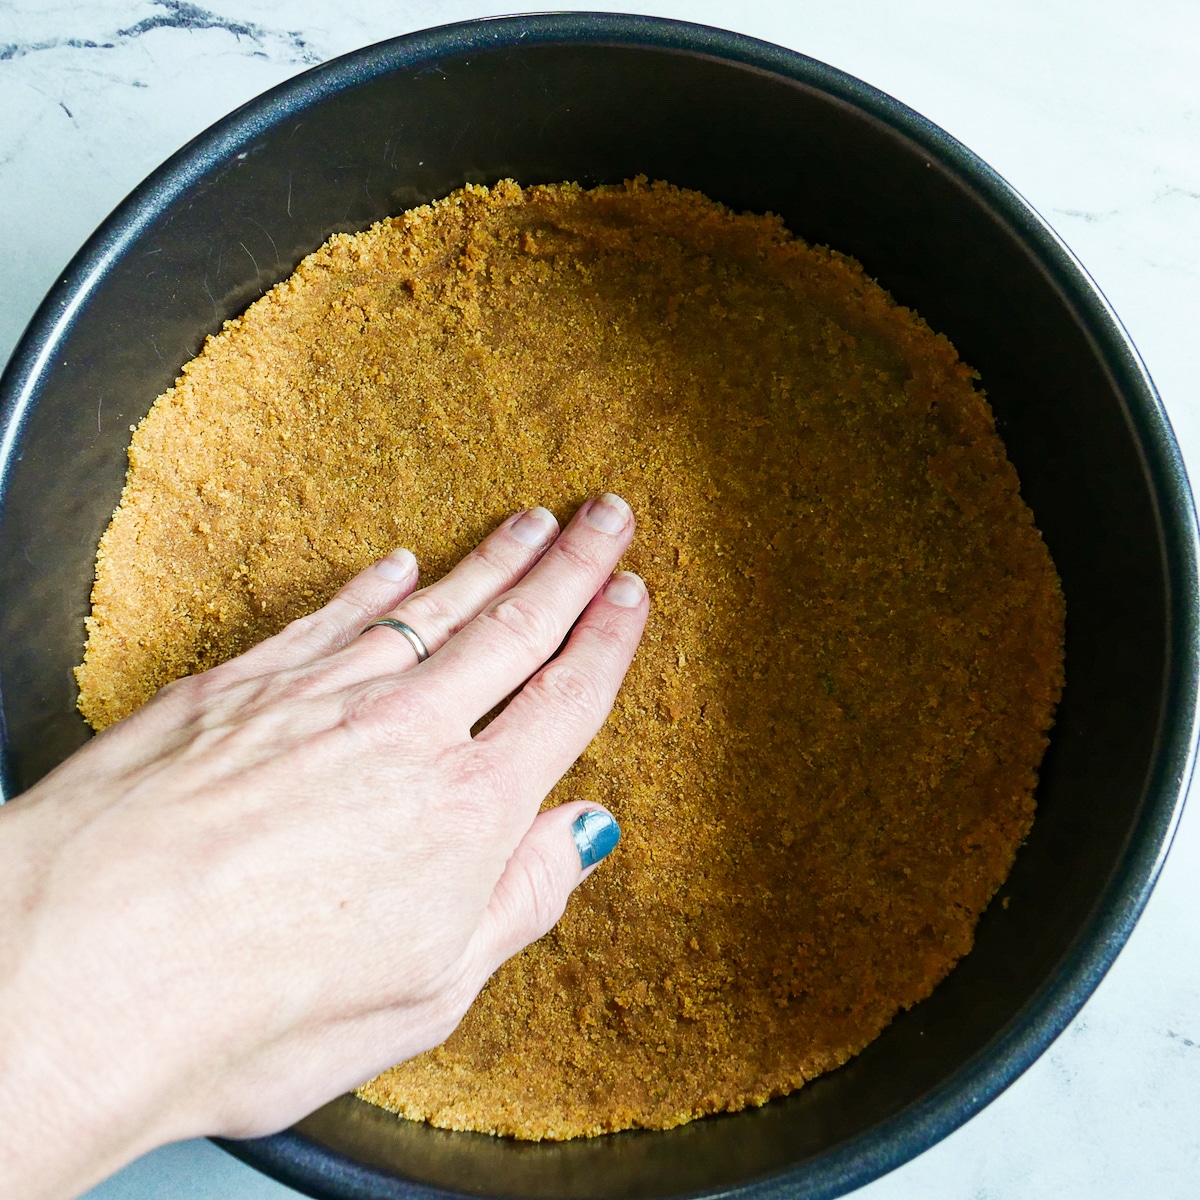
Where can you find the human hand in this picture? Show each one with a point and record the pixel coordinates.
(280, 877)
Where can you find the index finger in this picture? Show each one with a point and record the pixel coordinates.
(514, 635)
(549, 722)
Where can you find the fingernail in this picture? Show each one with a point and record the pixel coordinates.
(626, 589)
(596, 834)
(534, 528)
(400, 564)
(608, 513)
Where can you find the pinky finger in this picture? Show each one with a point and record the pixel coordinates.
(368, 595)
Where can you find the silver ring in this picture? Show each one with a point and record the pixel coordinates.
(410, 635)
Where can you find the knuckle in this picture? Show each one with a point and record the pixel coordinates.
(606, 637)
(338, 619)
(308, 623)
(304, 630)
(174, 687)
(429, 615)
(186, 694)
(544, 894)
(525, 622)
(205, 686)
(301, 683)
(493, 554)
(347, 606)
(568, 688)
(577, 555)
(212, 690)
(483, 781)
(388, 708)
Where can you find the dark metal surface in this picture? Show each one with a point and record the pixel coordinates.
(599, 98)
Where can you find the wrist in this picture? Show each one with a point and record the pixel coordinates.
(81, 1094)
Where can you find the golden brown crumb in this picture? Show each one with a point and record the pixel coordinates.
(824, 757)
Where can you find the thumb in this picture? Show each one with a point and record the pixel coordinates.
(560, 850)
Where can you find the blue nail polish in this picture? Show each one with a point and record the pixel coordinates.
(596, 834)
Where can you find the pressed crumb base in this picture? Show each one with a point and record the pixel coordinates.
(824, 757)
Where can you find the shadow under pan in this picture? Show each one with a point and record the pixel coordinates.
(598, 99)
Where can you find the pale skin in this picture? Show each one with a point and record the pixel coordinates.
(280, 877)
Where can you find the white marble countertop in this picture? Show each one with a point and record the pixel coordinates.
(1090, 108)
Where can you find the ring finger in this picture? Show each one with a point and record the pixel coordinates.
(435, 613)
